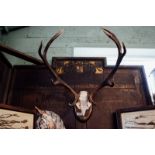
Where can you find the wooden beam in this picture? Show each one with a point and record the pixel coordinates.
(5, 60)
(20, 54)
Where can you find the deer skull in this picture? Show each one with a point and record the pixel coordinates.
(83, 108)
(83, 102)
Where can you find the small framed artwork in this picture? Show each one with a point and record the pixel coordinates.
(136, 118)
(15, 118)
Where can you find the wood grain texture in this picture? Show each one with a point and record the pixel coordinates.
(5, 75)
(31, 86)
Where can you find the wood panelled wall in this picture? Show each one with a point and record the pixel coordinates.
(31, 86)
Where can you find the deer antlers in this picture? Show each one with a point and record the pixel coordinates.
(58, 80)
(107, 81)
(82, 100)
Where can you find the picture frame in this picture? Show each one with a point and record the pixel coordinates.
(16, 118)
(136, 118)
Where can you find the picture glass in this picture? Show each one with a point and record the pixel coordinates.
(10, 119)
(138, 119)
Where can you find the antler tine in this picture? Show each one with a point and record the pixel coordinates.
(44, 55)
(120, 55)
(113, 37)
(58, 79)
(107, 81)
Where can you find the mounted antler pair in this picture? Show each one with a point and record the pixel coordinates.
(83, 101)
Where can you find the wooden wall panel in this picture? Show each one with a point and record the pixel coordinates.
(31, 86)
(5, 74)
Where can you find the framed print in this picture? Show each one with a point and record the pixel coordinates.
(136, 118)
(15, 118)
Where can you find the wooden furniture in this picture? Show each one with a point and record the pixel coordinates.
(29, 86)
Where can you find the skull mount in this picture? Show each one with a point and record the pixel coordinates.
(83, 102)
(83, 108)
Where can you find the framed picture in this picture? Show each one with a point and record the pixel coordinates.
(136, 118)
(15, 118)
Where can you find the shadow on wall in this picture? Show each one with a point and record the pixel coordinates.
(7, 29)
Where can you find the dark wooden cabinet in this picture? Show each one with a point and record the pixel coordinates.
(30, 86)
